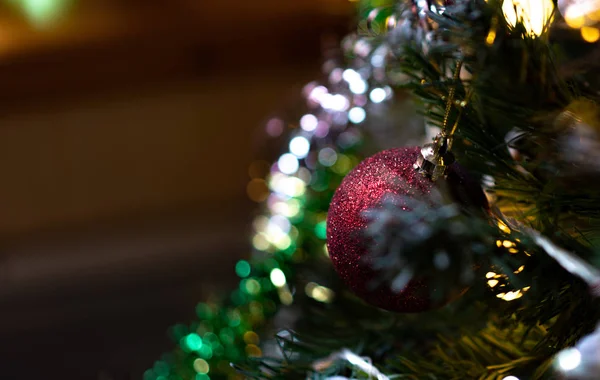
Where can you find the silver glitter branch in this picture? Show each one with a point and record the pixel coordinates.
(345, 355)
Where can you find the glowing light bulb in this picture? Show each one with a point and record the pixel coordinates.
(533, 14)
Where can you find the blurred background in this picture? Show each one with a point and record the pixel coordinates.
(126, 132)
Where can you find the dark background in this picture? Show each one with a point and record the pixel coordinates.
(126, 131)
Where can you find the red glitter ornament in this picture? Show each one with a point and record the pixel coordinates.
(387, 172)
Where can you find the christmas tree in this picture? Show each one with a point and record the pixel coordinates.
(434, 213)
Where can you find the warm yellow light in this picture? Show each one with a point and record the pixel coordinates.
(253, 350)
(492, 283)
(503, 227)
(574, 17)
(590, 34)
(510, 296)
(250, 337)
(533, 14)
(285, 296)
(490, 275)
(520, 269)
(260, 242)
(508, 244)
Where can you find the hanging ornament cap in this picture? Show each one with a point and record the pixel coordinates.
(435, 158)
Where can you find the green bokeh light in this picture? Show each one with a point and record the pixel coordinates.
(179, 331)
(205, 352)
(242, 268)
(192, 342)
(238, 297)
(234, 318)
(149, 375)
(202, 376)
(251, 286)
(321, 230)
(232, 353)
(211, 337)
(161, 368)
(203, 311)
(227, 335)
(218, 350)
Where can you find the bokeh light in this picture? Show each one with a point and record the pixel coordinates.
(201, 366)
(299, 146)
(569, 359)
(288, 163)
(274, 127)
(357, 115)
(277, 277)
(242, 268)
(308, 122)
(377, 95)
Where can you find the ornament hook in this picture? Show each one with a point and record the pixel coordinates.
(436, 157)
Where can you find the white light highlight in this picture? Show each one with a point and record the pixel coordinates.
(378, 60)
(377, 95)
(279, 223)
(287, 185)
(299, 146)
(277, 277)
(355, 81)
(350, 75)
(357, 115)
(309, 122)
(569, 359)
(510, 378)
(288, 163)
(358, 87)
(337, 102)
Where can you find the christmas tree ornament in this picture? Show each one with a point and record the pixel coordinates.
(364, 188)
(410, 172)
